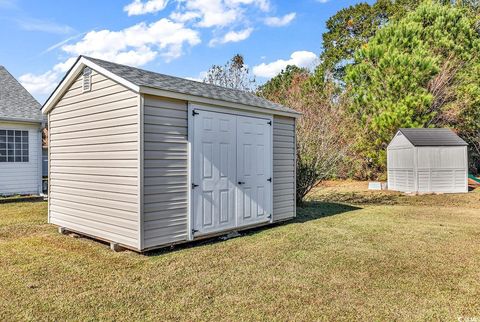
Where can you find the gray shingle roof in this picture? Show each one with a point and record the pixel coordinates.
(433, 137)
(16, 103)
(146, 78)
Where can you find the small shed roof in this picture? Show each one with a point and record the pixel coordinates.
(141, 80)
(141, 77)
(432, 137)
(16, 103)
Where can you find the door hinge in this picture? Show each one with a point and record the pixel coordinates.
(194, 231)
(194, 185)
(269, 123)
(269, 179)
(194, 113)
(269, 216)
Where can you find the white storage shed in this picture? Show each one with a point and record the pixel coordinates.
(427, 161)
(144, 160)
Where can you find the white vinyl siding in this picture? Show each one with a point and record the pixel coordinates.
(165, 171)
(400, 160)
(442, 169)
(23, 177)
(283, 168)
(94, 161)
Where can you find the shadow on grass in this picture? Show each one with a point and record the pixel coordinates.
(311, 210)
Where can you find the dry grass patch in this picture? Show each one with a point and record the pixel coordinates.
(414, 259)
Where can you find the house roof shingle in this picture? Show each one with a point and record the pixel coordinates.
(141, 77)
(432, 137)
(16, 103)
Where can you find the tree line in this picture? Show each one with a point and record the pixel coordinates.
(384, 66)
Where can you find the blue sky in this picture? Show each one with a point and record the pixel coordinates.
(177, 37)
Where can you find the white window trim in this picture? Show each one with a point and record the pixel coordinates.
(22, 156)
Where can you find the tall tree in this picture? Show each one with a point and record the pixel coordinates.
(234, 74)
(324, 131)
(279, 88)
(416, 72)
(350, 28)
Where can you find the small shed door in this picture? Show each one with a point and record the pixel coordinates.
(253, 170)
(214, 171)
(231, 169)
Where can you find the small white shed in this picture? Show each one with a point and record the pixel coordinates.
(427, 161)
(145, 160)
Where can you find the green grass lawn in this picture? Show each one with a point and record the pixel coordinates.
(350, 254)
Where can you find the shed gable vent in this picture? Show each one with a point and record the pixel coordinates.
(87, 79)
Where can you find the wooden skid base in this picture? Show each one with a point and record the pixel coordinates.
(62, 230)
(116, 247)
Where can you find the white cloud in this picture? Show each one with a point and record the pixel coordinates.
(232, 36)
(212, 13)
(39, 84)
(280, 21)
(323, 1)
(61, 43)
(201, 76)
(304, 59)
(264, 5)
(216, 13)
(184, 17)
(45, 83)
(135, 46)
(43, 25)
(8, 4)
(65, 66)
(137, 7)
(144, 42)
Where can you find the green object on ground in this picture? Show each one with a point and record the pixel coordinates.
(471, 176)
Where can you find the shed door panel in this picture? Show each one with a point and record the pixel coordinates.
(253, 170)
(214, 167)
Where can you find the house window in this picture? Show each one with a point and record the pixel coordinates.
(13, 146)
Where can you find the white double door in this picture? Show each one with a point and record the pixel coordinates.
(231, 179)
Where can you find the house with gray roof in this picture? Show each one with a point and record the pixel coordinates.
(145, 160)
(21, 123)
(427, 160)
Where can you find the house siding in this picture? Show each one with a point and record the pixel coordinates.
(93, 141)
(165, 171)
(284, 155)
(23, 177)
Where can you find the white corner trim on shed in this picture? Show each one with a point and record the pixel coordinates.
(146, 167)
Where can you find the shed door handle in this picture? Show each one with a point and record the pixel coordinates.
(241, 182)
